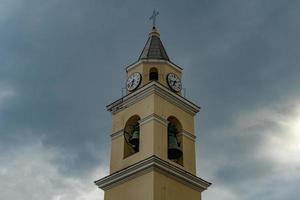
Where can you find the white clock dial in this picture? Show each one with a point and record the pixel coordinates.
(133, 81)
(174, 82)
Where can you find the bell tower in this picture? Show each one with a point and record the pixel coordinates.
(153, 136)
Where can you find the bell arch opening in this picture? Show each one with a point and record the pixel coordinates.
(131, 136)
(175, 147)
(153, 74)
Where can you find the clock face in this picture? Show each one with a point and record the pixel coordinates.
(174, 82)
(134, 81)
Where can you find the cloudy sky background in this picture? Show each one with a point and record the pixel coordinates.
(62, 62)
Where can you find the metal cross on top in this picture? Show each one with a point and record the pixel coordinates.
(153, 17)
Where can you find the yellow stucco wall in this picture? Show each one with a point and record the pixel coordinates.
(139, 188)
(143, 108)
(153, 134)
(167, 188)
(152, 185)
(166, 109)
(153, 141)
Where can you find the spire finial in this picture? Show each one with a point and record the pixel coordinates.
(153, 18)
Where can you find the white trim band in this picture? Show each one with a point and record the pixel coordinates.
(158, 119)
(153, 88)
(154, 117)
(117, 134)
(150, 164)
(188, 135)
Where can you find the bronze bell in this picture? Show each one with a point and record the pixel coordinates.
(174, 151)
(134, 138)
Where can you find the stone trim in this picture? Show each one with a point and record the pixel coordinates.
(146, 120)
(158, 119)
(188, 135)
(152, 163)
(153, 88)
(154, 117)
(117, 134)
(142, 122)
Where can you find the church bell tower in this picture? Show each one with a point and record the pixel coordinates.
(153, 136)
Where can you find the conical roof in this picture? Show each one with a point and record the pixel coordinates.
(154, 48)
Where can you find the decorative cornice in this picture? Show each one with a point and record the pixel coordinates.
(150, 164)
(153, 88)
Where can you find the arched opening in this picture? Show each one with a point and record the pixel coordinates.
(175, 150)
(153, 74)
(132, 136)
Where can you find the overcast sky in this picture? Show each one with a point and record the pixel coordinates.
(62, 62)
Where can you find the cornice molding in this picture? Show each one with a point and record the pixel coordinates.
(153, 88)
(152, 163)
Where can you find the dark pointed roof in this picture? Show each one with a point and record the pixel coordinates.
(154, 48)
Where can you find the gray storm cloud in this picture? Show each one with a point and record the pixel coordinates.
(62, 62)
